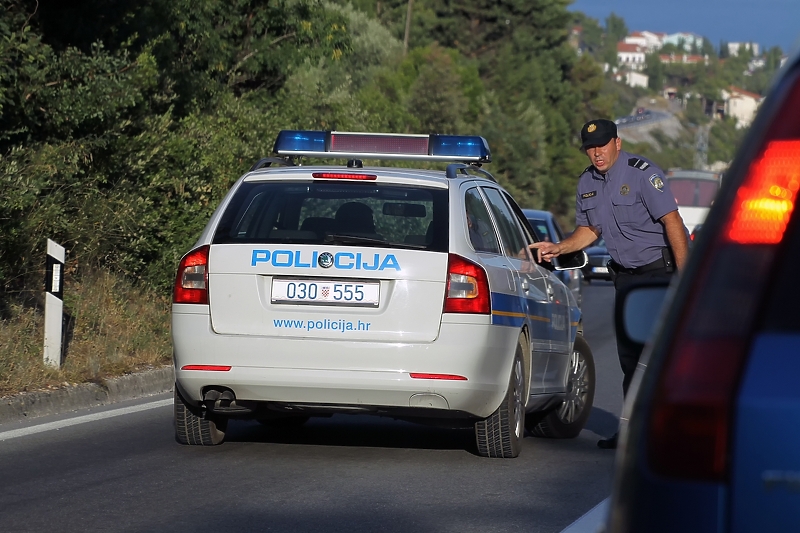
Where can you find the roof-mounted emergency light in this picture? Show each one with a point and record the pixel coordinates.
(330, 144)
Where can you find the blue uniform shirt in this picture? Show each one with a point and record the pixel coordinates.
(625, 205)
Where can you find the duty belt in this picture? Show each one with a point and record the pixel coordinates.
(619, 269)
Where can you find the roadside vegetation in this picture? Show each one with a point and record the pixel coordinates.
(111, 328)
(123, 123)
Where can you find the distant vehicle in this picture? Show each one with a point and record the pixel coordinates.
(694, 192)
(546, 228)
(597, 264)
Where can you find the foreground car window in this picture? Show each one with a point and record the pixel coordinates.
(342, 213)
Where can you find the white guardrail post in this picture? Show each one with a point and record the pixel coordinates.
(53, 304)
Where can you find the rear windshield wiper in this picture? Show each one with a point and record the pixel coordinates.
(354, 239)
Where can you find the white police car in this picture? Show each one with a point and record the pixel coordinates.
(405, 293)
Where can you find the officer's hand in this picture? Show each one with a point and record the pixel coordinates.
(545, 250)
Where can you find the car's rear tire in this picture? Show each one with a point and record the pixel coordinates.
(192, 428)
(568, 419)
(501, 434)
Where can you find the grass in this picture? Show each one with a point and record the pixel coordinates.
(112, 328)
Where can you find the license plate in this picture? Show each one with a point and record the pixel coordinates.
(322, 292)
(600, 270)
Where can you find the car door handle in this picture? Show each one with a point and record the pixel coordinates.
(550, 293)
(525, 286)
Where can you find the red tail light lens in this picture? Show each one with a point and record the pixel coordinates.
(690, 426)
(467, 287)
(191, 284)
(765, 202)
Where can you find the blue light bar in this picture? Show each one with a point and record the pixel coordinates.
(301, 141)
(460, 146)
(336, 144)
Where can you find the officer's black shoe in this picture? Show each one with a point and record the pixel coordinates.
(608, 444)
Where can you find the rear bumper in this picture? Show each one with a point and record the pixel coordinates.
(350, 373)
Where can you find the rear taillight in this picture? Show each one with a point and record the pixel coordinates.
(765, 202)
(690, 426)
(191, 283)
(467, 287)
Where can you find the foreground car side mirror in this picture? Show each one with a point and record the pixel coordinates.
(637, 310)
(572, 261)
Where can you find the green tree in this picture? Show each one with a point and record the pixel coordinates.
(707, 49)
(435, 98)
(591, 33)
(724, 52)
(655, 71)
(616, 29)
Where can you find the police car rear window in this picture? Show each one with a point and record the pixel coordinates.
(348, 213)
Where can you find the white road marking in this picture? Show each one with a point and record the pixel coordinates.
(591, 522)
(14, 433)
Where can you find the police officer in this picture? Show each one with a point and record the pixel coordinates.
(626, 199)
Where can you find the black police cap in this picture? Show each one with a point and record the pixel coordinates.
(597, 133)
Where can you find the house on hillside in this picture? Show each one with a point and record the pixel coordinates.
(683, 58)
(757, 63)
(630, 56)
(688, 40)
(633, 78)
(733, 48)
(648, 40)
(575, 38)
(741, 105)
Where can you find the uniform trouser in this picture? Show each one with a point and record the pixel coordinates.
(629, 355)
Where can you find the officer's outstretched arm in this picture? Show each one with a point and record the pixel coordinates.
(582, 237)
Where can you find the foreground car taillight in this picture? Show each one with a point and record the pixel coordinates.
(690, 424)
(467, 287)
(191, 283)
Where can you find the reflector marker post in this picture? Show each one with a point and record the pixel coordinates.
(53, 304)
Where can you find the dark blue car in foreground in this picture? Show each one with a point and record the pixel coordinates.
(713, 438)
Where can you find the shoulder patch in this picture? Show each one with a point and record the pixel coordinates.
(589, 194)
(638, 163)
(657, 182)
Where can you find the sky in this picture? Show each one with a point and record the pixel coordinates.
(766, 22)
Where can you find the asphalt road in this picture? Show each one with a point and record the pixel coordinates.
(345, 473)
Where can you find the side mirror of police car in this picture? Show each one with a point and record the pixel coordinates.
(572, 261)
